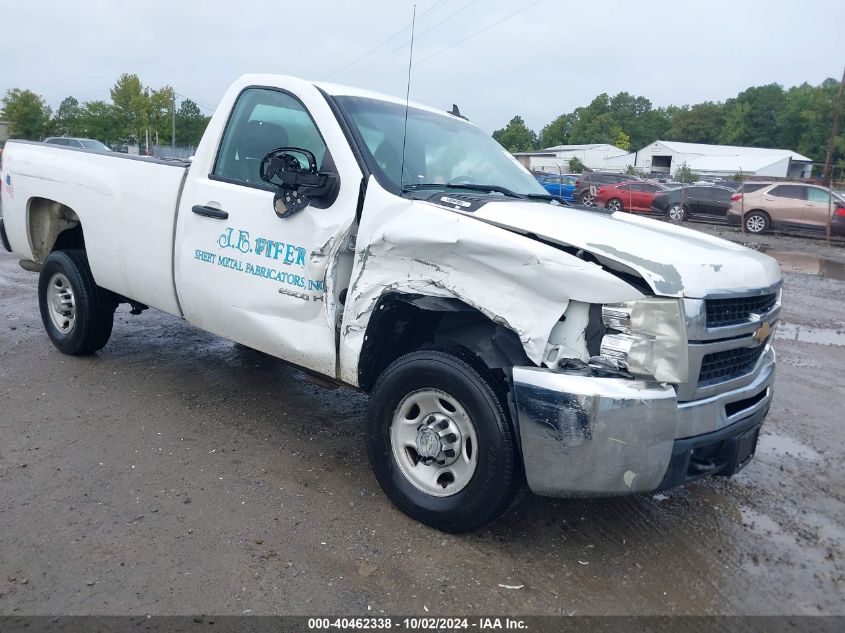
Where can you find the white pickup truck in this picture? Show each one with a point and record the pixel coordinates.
(504, 338)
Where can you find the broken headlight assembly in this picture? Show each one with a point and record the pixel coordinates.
(647, 338)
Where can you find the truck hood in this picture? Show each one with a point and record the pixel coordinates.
(674, 261)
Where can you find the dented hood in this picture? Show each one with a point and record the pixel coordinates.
(674, 261)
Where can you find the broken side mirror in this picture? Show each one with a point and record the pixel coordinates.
(297, 184)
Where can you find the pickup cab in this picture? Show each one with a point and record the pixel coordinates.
(505, 339)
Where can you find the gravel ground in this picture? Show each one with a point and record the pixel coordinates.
(177, 473)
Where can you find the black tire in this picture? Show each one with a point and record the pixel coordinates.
(497, 476)
(94, 306)
(615, 202)
(757, 222)
(587, 199)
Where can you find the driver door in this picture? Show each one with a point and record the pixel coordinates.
(243, 272)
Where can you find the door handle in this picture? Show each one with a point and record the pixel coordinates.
(210, 212)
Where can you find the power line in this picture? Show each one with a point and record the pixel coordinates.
(461, 41)
(201, 104)
(389, 39)
(404, 44)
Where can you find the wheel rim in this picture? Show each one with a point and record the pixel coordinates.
(61, 303)
(614, 205)
(755, 223)
(675, 213)
(588, 199)
(434, 442)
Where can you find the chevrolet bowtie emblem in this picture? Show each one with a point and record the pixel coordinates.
(762, 332)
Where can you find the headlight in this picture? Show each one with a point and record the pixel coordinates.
(648, 338)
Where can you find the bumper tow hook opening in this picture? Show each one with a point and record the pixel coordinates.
(702, 467)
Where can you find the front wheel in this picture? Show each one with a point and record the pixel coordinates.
(77, 314)
(757, 222)
(615, 204)
(440, 442)
(677, 214)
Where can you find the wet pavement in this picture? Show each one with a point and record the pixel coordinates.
(177, 473)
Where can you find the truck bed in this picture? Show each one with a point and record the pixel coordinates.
(125, 204)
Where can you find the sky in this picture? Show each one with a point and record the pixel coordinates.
(494, 58)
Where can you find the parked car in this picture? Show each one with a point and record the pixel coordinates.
(78, 143)
(628, 196)
(596, 179)
(504, 338)
(787, 205)
(562, 186)
(698, 201)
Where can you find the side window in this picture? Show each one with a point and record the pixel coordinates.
(648, 188)
(263, 120)
(794, 192)
(625, 187)
(749, 188)
(817, 195)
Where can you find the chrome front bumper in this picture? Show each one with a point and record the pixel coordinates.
(595, 436)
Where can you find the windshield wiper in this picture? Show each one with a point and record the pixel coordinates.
(469, 186)
(548, 196)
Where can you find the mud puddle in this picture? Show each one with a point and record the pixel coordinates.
(777, 444)
(806, 334)
(805, 263)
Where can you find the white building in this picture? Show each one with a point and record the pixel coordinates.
(666, 157)
(554, 160)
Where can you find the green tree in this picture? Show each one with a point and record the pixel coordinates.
(701, 123)
(100, 120)
(131, 107)
(636, 117)
(27, 115)
(685, 174)
(68, 119)
(557, 132)
(751, 116)
(595, 124)
(622, 140)
(516, 137)
(190, 123)
(161, 114)
(576, 166)
(806, 118)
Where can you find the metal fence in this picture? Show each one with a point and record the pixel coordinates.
(166, 151)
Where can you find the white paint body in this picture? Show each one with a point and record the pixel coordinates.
(142, 241)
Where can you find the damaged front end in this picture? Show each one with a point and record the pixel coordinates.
(586, 435)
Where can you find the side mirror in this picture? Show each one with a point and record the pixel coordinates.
(297, 184)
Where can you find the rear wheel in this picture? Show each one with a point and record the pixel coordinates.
(77, 314)
(757, 222)
(677, 213)
(440, 442)
(588, 199)
(615, 204)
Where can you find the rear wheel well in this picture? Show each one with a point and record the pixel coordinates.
(403, 323)
(52, 226)
(761, 212)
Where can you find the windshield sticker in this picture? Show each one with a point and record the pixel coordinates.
(272, 257)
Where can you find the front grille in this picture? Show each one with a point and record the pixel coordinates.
(737, 310)
(729, 364)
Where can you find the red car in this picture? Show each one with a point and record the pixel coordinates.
(634, 195)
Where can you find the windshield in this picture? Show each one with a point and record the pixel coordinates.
(97, 145)
(439, 149)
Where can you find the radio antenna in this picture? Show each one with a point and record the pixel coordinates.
(407, 97)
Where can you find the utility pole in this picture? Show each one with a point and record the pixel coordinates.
(837, 109)
(173, 135)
